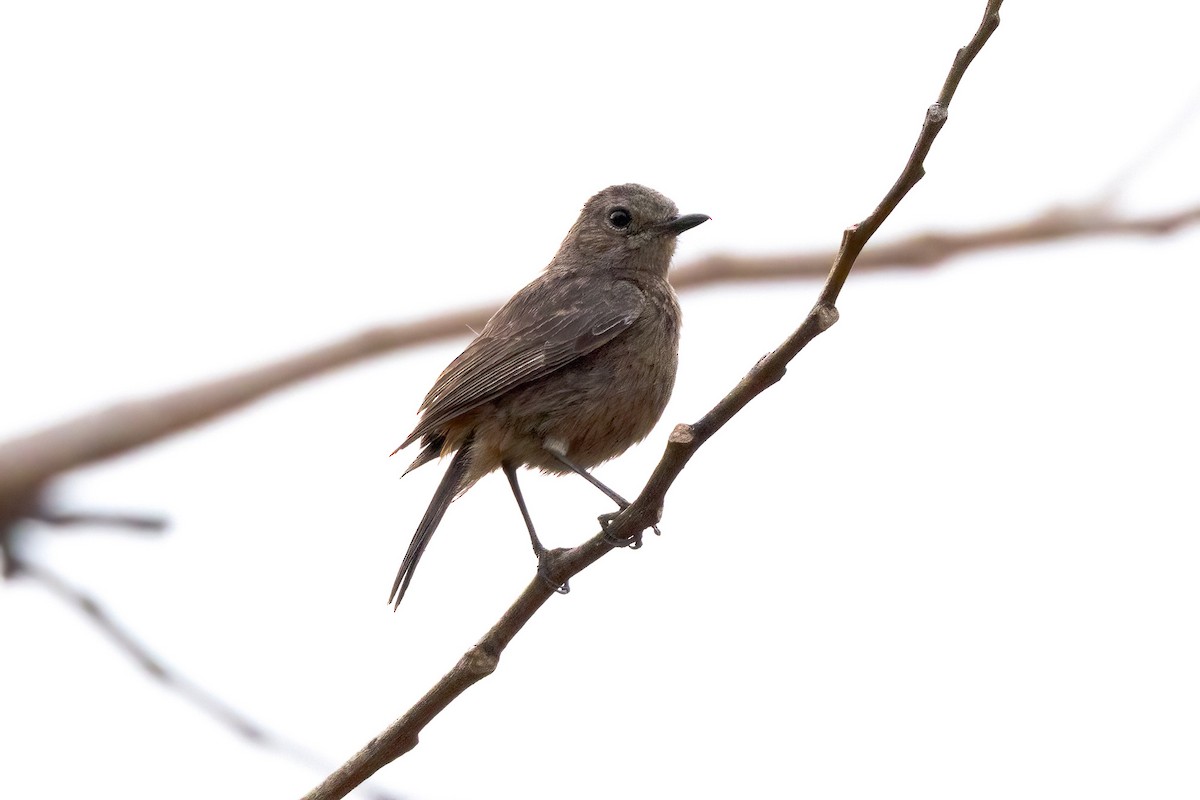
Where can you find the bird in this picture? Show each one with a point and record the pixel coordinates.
(573, 370)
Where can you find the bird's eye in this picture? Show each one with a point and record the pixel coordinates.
(619, 218)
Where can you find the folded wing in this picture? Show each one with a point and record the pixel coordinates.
(549, 324)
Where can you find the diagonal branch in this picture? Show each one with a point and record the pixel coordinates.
(482, 659)
(155, 668)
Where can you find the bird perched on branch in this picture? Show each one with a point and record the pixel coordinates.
(570, 372)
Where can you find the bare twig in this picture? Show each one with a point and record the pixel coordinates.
(155, 668)
(131, 522)
(152, 665)
(482, 659)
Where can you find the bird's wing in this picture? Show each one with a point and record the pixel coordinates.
(544, 327)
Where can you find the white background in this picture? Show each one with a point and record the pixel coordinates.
(953, 554)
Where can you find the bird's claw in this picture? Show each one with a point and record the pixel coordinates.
(633, 542)
(544, 574)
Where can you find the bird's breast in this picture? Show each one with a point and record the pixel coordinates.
(599, 405)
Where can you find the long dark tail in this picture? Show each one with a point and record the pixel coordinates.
(445, 493)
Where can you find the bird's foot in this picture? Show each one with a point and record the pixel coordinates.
(543, 571)
(633, 542)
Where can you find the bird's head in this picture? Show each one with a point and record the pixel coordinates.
(626, 226)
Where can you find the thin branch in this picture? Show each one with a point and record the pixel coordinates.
(155, 668)
(130, 522)
(31, 508)
(90, 608)
(482, 659)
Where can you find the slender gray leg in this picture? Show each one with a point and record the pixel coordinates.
(635, 541)
(510, 471)
(592, 479)
(539, 550)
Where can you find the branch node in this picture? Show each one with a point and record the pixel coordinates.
(683, 434)
(479, 661)
(827, 315)
(390, 749)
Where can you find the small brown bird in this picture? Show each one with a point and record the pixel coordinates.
(570, 372)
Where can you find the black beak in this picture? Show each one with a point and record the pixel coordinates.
(684, 223)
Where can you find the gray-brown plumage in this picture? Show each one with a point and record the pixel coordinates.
(571, 371)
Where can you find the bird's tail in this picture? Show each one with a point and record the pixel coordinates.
(446, 491)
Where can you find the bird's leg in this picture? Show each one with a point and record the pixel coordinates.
(556, 449)
(539, 550)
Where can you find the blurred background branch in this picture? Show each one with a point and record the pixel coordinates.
(27, 463)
